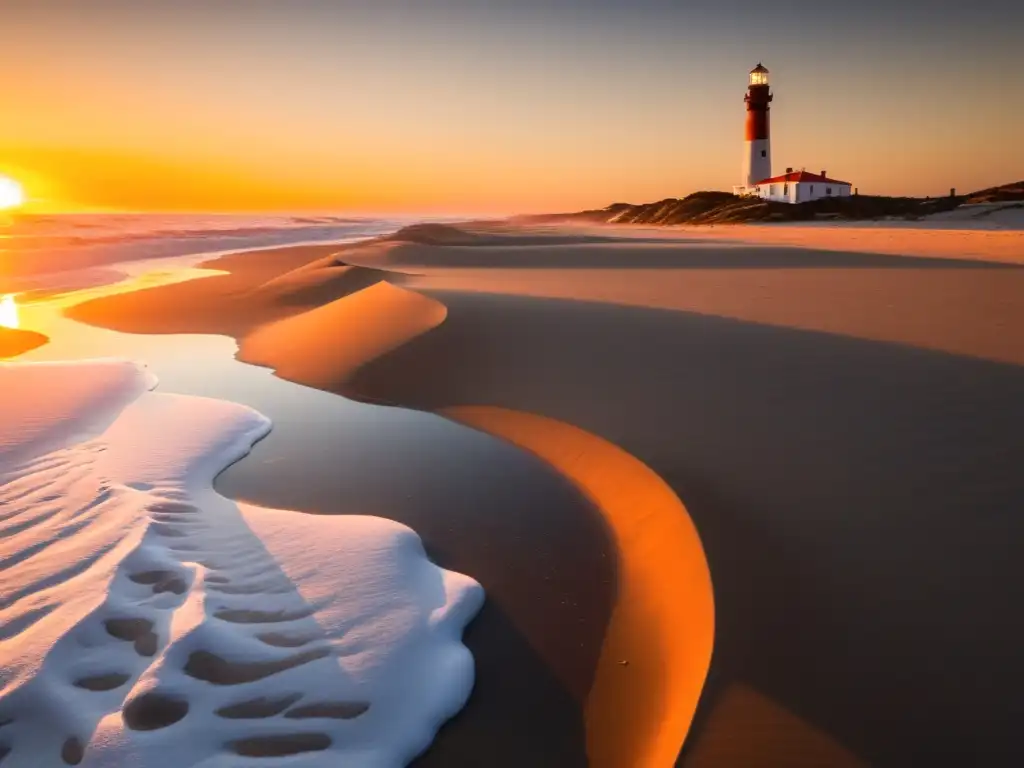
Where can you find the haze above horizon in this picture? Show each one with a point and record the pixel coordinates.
(486, 107)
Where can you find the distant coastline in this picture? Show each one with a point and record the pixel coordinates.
(726, 208)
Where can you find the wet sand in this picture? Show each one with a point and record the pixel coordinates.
(843, 428)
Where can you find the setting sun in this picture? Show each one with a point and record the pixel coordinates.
(11, 193)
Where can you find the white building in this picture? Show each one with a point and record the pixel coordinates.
(797, 187)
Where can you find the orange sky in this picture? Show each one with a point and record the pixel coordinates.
(471, 107)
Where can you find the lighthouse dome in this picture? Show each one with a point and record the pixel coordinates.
(759, 75)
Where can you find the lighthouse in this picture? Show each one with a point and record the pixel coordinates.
(757, 152)
(791, 187)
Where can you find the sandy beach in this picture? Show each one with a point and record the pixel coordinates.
(805, 455)
(938, 237)
(511, 385)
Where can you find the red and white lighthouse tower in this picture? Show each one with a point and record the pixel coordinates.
(757, 157)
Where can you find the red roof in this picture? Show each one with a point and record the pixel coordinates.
(801, 176)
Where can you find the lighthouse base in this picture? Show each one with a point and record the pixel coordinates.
(757, 161)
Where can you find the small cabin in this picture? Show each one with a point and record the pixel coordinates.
(797, 187)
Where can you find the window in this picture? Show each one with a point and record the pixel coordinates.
(828, 190)
(764, 153)
(785, 189)
(812, 189)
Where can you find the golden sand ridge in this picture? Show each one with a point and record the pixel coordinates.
(658, 644)
(361, 326)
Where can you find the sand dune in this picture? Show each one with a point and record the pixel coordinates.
(147, 621)
(493, 234)
(316, 283)
(434, 234)
(356, 328)
(487, 244)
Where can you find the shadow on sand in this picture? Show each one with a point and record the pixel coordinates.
(858, 501)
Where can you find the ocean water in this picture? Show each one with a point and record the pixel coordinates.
(34, 245)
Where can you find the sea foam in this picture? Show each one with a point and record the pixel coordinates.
(145, 620)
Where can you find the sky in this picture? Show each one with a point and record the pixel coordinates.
(500, 106)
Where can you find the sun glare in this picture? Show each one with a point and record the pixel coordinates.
(11, 193)
(8, 312)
